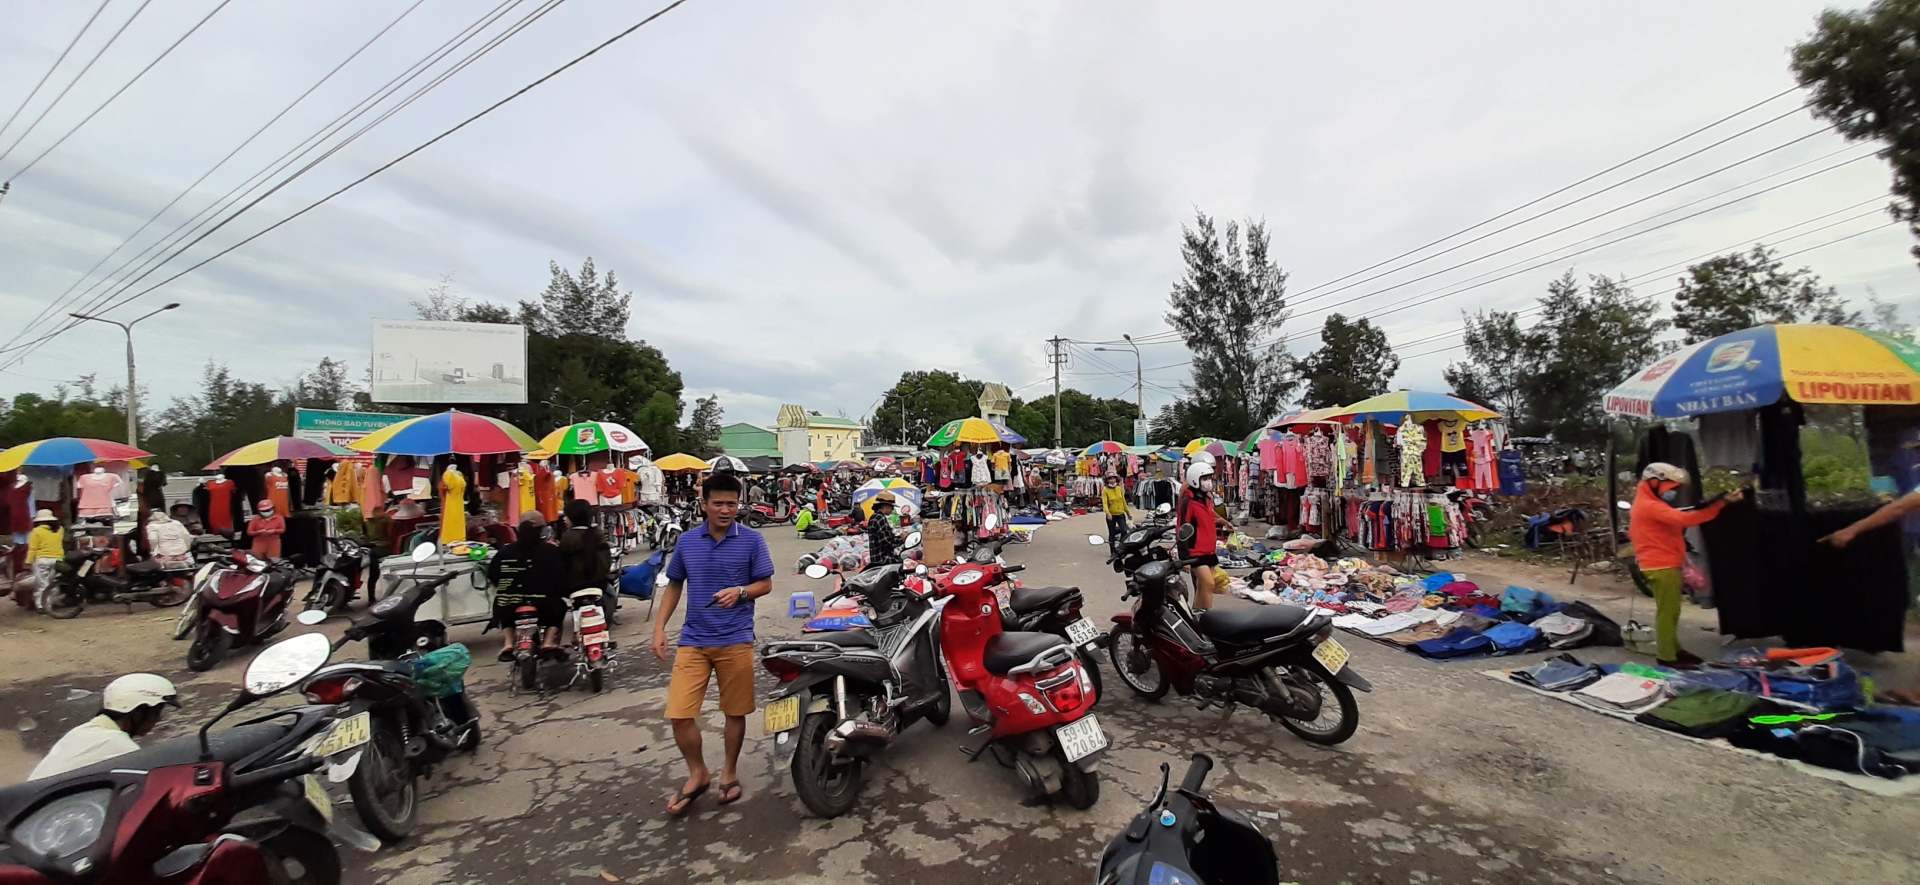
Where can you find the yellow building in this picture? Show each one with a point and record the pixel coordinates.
(811, 436)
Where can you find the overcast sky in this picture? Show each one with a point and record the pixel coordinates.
(808, 198)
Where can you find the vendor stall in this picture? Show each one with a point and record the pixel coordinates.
(437, 466)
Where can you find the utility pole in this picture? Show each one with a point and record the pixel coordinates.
(133, 392)
(1139, 377)
(1056, 355)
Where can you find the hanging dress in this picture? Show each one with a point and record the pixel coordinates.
(453, 507)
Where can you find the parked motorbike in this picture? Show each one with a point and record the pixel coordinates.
(1054, 610)
(848, 693)
(238, 806)
(408, 728)
(1185, 839)
(1279, 659)
(344, 569)
(1027, 691)
(781, 513)
(239, 606)
(80, 579)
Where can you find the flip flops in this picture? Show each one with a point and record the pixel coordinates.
(684, 799)
(730, 792)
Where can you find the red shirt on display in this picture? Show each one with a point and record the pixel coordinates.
(220, 505)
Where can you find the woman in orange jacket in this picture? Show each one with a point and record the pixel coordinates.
(1659, 540)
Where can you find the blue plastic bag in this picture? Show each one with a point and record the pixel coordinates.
(637, 580)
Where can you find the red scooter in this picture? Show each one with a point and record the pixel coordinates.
(1027, 691)
(241, 605)
(782, 513)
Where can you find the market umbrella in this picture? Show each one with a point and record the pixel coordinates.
(1755, 367)
(588, 437)
(1206, 444)
(1104, 447)
(800, 467)
(279, 448)
(906, 494)
(882, 463)
(66, 451)
(972, 430)
(679, 462)
(727, 462)
(1388, 408)
(451, 432)
(849, 464)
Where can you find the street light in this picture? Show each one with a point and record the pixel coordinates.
(133, 392)
(1139, 380)
(548, 402)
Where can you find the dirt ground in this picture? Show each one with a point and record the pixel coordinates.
(1452, 777)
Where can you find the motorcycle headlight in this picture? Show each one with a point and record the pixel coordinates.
(66, 826)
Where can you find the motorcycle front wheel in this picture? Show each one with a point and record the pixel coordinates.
(209, 648)
(1339, 712)
(63, 601)
(1126, 651)
(827, 786)
(383, 786)
(302, 857)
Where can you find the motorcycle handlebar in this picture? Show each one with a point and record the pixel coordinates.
(1196, 773)
(1014, 568)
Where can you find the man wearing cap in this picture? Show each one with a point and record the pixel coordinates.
(46, 546)
(1659, 540)
(129, 708)
(882, 547)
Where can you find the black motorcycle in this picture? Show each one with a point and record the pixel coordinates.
(79, 580)
(849, 693)
(1185, 839)
(409, 728)
(345, 568)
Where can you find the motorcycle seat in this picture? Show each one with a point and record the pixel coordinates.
(1248, 625)
(846, 638)
(143, 568)
(1032, 599)
(1006, 651)
(589, 594)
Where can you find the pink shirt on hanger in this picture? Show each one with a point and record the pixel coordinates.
(95, 493)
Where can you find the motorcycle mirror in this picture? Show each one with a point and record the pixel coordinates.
(912, 540)
(918, 569)
(1095, 540)
(424, 552)
(311, 616)
(991, 522)
(1163, 509)
(816, 571)
(284, 664)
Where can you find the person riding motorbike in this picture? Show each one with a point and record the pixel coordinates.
(584, 548)
(529, 571)
(130, 707)
(882, 547)
(1196, 509)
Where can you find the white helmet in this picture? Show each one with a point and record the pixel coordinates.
(1663, 470)
(136, 690)
(1203, 457)
(1196, 471)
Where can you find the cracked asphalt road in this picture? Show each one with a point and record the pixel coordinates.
(1452, 777)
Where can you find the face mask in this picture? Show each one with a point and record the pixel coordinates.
(1206, 484)
(1670, 495)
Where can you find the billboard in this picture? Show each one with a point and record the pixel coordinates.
(423, 361)
(340, 428)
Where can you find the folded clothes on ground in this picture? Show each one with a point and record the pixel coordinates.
(1704, 713)
(1421, 633)
(1623, 691)
(1462, 642)
(1559, 673)
(1393, 623)
(1512, 638)
(1563, 630)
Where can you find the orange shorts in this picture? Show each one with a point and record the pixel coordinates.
(687, 687)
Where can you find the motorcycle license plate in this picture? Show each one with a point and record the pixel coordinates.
(593, 638)
(1081, 738)
(348, 733)
(1081, 632)
(783, 715)
(316, 795)
(1332, 655)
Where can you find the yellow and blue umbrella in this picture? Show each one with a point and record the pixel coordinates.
(1389, 408)
(280, 448)
(906, 495)
(451, 432)
(1755, 367)
(66, 451)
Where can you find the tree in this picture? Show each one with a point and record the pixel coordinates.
(441, 303)
(701, 437)
(1175, 423)
(1354, 362)
(326, 387)
(225, 414)
(1084, 419)
(1497, 365)
(74, 410)
(1860, 67)
(588, 304)
(1230, 298)
(920, 402)
(1746, 289)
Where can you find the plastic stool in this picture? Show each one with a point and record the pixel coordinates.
(801, 602)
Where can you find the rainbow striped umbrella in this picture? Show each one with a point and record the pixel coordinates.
(451, 432)
(972, 430)
(66, 451)
(279, 448)
(1389, 408)
(1104, 447)
(906, 495)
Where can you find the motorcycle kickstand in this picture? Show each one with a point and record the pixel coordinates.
(1226, 712)
(973, 755)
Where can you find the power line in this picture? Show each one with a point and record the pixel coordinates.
(76, 78)
(116, 94)
(151, 253)
(423, 146)
(54, 67)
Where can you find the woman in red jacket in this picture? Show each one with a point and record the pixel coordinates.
(1659, 540)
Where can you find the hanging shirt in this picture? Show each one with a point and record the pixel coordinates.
(1453, 435)
(373, 498)
(453, 507)
(279, 492)
(20, 507)
(982, 472)
(581, 485)
(606, 484)
(95, 493)
(1513, 474)
(219, 515)
(629, 486)
(1002, 462)
(543, 491)
(343, 490)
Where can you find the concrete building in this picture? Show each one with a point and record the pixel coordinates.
(811, 436)
(743, 441)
